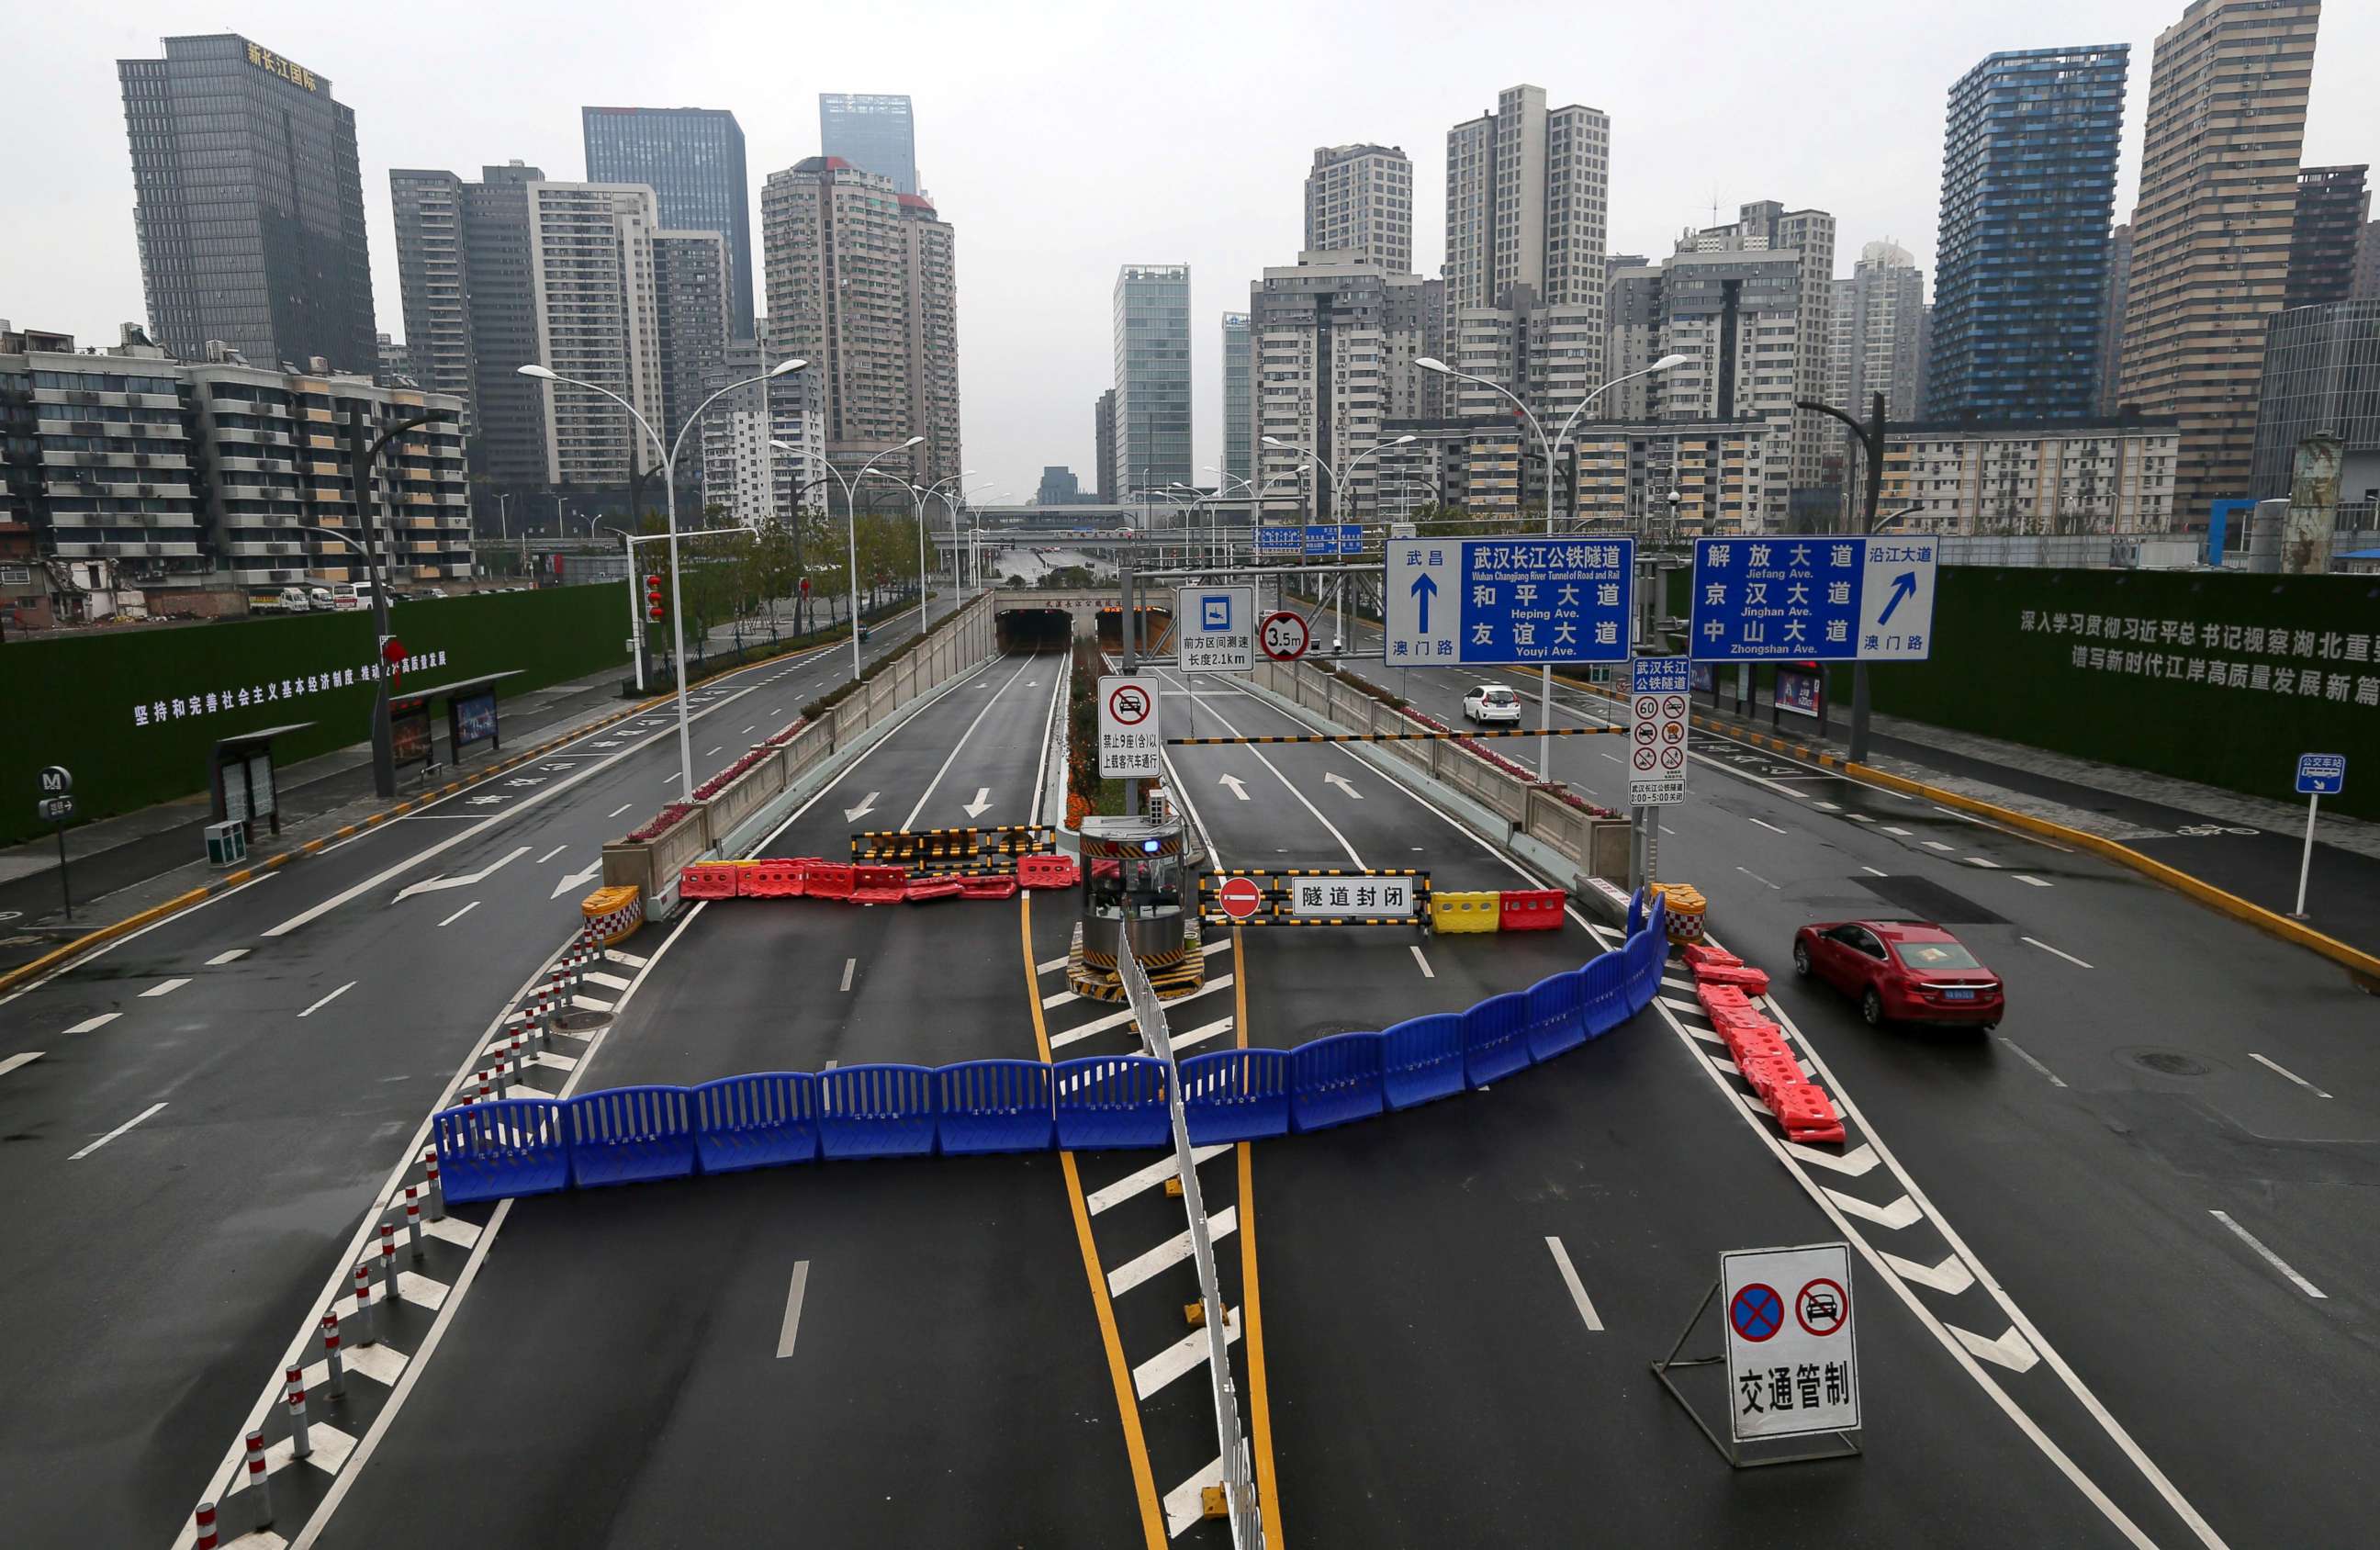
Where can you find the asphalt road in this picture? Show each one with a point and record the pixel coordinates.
(272, 1050)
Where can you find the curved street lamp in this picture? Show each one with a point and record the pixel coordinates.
(851, 533)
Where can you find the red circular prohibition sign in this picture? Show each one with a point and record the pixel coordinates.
(1831, 1305)
(1240, 897)
(1131, 696)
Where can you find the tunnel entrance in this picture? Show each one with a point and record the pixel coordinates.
(1026, 631)
(1155, 629)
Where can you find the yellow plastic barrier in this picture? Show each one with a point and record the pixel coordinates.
(1451, 911)
(613, 913)
(1687, 907)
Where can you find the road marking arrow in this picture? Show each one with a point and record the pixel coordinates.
(2010, 1350)
(982, 800)
(577, 880)
(1234, 781)
(1898, 1214)
(1952, 1275)
(1335, 778)
(462, 880)
(867, 805)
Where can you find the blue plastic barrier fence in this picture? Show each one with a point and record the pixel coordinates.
(1235, 1094)
(487, 1151)
(994, 1106)
(1635, 913)
(756, 1121)
(1557, 1016)
(875, 1112)
(1421, 1058)
(1110, 1101)
(1334, 1080)
(1496, 1037)
(623, 1135)
(1604, 987)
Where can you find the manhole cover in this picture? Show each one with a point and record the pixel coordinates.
(580, 1023)
(2168, 1062)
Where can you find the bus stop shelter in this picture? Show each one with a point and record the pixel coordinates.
(472, 719)
(240, 777)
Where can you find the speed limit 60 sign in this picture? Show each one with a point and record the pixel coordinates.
(1658, 707)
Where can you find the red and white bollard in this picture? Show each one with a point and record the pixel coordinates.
(258, 1481)
(413, 1221)
(437, 1190)
(203, 1529)
(485, 1096)
(517, 1053)
(366, 1323)
(388, 1262)
(338, 1370)
(301, 1442)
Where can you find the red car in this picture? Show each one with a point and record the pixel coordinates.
(1901, 970)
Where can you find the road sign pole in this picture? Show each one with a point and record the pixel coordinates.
(2305, 861)
(1124, 585)
(68, 897)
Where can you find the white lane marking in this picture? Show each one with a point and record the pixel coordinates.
(1180, 1357)
(1577, 1287)
(1825, 806)
(1426, 972)
(1873, 872)
(1332, 778)
(220, 959)
(755, 727)
(1755, 876)
(928, 794)
(1892, 830)
(1057, 999)
(1200, 1036)
(2284, 1071)
(1979, 861)
(163, 987)
(460, 913)
(1949, 1277)
(1767, 825)
(1173, 1251)
(1184, 1504)
(620, 809)
(1859, 817)
(13, 1061)
(88, 1024)
(709, 752)
(2055, 1080)
(1053, 965)
(2028, 877)
(1148, 1178)
(590, 1003)
(2269, 1258)
(2009, 1351)
(460, 879)
(1287, 783)
(609, 981)
(1853, 1163)
(2046, 947)
(551, 855)
(850, 966)
(1667, 829)
(1118, 1019)
(831, 1065)
(793, 1323)
(1898, 1214)
(579, 879)
(155, 1107)
(1936, 846)
(1239, 787)
(618, 955)
(328, 999)
(867, 805)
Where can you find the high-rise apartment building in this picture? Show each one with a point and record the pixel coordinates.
(693, 161)
(874, 132)
(744, 468)
(690, 298)
(1359, 200)
(1335, 341)
(2211, 233)
(2332, 205)
(862, 283)
(1633, 328)
(431, 281)
(1526, 203)
(1879, 313)
(2032, 477)
(597, 320)
(1239, 402)
(250, 205)
(1103, 442)
(1152, 378)
(2020, 281)
(2112, 321)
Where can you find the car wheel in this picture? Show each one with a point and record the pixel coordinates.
(1990, 1027)
(1802, 958)
(1872, 1008)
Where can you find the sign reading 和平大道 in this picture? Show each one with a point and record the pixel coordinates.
(1462, 601)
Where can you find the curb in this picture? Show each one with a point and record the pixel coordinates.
(2362, 967)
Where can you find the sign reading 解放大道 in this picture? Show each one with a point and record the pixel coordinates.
(1814, 598)
(1459, 601)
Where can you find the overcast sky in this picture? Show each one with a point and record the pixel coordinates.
(1061, 141)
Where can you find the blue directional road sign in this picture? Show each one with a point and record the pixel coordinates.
(1280, 540)
(2321, 774)
(1814, 598)
(1313, 541)
(1457, 602)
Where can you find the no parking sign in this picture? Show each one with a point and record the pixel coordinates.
(1792, 1362)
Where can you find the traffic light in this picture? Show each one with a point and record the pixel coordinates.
(655, 610)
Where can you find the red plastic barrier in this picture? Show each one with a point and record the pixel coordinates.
(1001, 887)
(773, 879)
(921, 890)
(1751, 981)
(1743, 1040)
(1699, 953)
(1531, 909)
(1769, 1072)
(1807, 1113)
(878, 885)
(827, 880)
(1047, 871)
(1717, 1000)
(708, 879)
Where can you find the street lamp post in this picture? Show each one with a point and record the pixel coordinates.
(958, 577)
(1552, 447)
(1870, 440)
(669, 450)
(851, 531)
(1339, 478)
(361, 456)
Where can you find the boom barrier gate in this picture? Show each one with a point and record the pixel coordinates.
(976, 850)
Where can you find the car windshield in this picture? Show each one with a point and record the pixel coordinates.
(1497, 696)
(1935, 955)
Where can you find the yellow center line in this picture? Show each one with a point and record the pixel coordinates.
(1251, 1307)
(1144, 1480)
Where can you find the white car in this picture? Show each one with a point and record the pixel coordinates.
(1490, 703)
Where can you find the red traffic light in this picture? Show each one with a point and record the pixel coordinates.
(654, 613)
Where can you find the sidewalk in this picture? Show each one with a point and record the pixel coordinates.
(2244, 846)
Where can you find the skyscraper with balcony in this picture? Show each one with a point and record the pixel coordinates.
(597, 321)
(874, 131)
(2211, 232)
(2332, 204)
(693, 161)
(2021, 279)
(1359, 200)
(248, 201)
(1151, 308)
(1526, 189)
(1335, 343)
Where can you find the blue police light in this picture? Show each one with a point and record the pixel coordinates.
(1149, 847)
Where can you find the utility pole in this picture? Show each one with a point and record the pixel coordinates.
(361, 455)
(1131, 660)
(1870, 440)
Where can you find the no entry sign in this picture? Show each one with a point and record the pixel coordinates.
(1792, 1365)
(1240, 897)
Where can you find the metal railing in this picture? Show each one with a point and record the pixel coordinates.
(1239, 1474)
